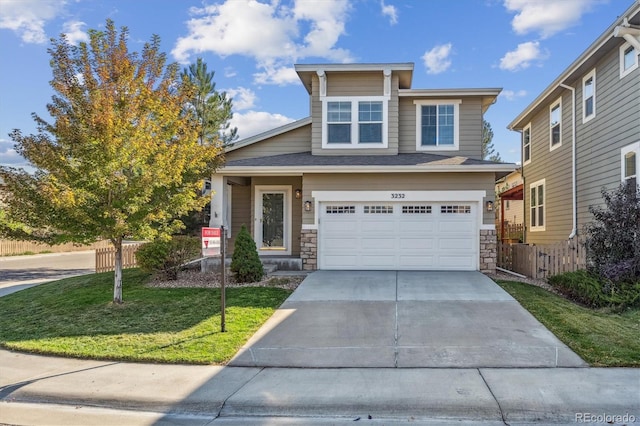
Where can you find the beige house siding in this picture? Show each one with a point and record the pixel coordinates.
(240, 212)
(354, 84)
(513, 209)
(297, 140)
(400, 182)
(470, 127)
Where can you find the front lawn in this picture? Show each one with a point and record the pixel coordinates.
(601, 338)
(75, 317)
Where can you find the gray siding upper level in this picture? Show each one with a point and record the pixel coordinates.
(297, 140)
(599, 142)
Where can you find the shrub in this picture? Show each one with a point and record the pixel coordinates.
(613, 237)
(167, 257)
(597, 292)
(245, 262)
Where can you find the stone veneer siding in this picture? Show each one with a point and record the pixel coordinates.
(488, 251)
(309, 249)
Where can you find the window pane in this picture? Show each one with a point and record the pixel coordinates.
(588, 106)
(555, 134)
(630, 165)
(339, 133)
(541, 194)
(445, 124)
(533, 197)
(629, 57)
(339, 112)
(533, 217)
(526, 137)
(527, 152)
(541, 216)
(588, 88)
(429, 125)
(370, 111)
(370, 133)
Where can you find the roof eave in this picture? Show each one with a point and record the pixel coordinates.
(276, 170)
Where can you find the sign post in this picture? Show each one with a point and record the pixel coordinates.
(214, 244)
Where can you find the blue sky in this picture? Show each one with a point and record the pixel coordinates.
(518, 45)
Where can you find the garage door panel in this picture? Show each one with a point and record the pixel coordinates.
(396, 235)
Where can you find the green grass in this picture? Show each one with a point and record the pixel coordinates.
(602, 338)
(75, 317)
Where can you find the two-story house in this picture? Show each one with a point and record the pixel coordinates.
(582, 134)
(380, 176)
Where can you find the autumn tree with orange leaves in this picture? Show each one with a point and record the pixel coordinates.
(120, 158)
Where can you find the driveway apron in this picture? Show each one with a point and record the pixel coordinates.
(403, 319)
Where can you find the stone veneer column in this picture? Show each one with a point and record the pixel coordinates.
(488, 251)
(309, 249)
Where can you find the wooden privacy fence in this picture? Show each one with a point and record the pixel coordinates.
(106, 257)
(11, 247)
(544, 260)
(512, 231)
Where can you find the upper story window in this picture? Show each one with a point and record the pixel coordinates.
(526, 144)
(628, 59)
(630, 162)
(589, 96)
(555, 125)
(437, 123)
(355, 122)
(537, 203)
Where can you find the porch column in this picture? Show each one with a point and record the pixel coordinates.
(217, 201)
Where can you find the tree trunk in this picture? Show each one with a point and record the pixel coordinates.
(117, 280)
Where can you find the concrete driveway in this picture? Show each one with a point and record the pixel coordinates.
(403, 319)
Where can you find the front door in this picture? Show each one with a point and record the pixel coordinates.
(273, 227)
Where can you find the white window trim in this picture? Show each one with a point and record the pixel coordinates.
(551, 107)
(456, 124)
(354, 122)
(623, 72)
(586, 118)
(634, 147)
(257, 229)
(527, 127)
(536, 184)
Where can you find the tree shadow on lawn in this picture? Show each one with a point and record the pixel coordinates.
(82, 306)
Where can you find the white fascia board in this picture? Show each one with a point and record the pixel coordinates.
(403, 66)
(268, 134)
(449, 92)
(297, 171)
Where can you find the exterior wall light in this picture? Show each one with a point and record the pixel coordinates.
(307, 206)
(489, 205)
(298, 194)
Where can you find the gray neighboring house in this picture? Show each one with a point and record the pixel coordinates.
(379, 176)
(582, 133)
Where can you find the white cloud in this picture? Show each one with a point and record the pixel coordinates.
(510, 95)
(9, 157)
(390, 11)
(27, 18)
(437, 59)
(276, 75)
(243, 98)
(271, 33)
(230, 72)
(74, 32)
(522, 57)
(547, 17)
(251, 123)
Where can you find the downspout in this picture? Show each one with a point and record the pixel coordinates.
(574, 203)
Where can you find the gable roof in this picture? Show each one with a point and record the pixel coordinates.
(304, 162)
(403, 70)
(584, 62)
(268, 134)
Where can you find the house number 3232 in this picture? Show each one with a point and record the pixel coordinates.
(397, 195)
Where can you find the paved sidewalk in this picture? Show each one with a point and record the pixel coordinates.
(179, 394)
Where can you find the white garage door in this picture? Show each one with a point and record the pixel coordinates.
(419, 236)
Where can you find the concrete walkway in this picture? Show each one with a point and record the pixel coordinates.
(38, 390)
(385, 319)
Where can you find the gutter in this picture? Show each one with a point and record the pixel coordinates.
(299, 170)
(574, 190)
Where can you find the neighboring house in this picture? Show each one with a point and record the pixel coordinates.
(582, 133)
(380, 176)
(510, 208)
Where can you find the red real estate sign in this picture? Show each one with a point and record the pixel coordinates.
(211, 241)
